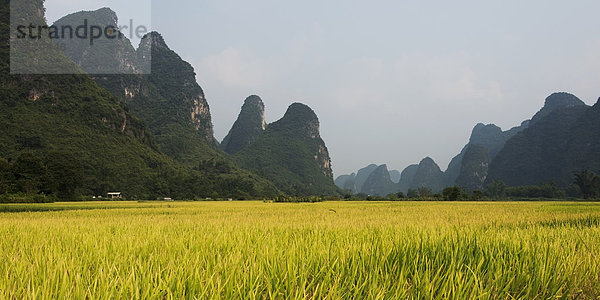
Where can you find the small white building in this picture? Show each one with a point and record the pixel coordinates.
(115, 195)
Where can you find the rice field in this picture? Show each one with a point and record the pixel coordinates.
(335, 250)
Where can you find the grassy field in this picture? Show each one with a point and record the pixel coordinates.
(336, 250)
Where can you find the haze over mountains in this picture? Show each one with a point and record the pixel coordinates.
(559, 141)
(151, 135)
(459, 80)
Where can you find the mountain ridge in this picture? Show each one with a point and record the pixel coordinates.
(553, 149)
(291, 154)
(249, 125)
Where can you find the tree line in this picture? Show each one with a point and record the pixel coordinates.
(59, 175)
(37, 180)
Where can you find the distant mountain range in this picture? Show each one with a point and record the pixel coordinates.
(562, 139)
(150, 134)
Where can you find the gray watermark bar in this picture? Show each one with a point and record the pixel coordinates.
(91, 42)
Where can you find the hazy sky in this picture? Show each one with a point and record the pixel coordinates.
(391, 81)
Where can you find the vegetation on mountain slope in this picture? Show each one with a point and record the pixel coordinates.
(292, 155)
(69, 122)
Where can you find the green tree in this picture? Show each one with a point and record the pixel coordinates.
(477, 196)
(588, 183)
(392, 197)
(425, 192)
(453, 193)
(496, 189)
(573, 191)
(412, 193)
(31, 174)
(551, 190)
(65, 171)
(6, 176)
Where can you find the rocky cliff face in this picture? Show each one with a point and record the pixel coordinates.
(474, 169)
(249, 126)
(175, 80)
(291, 153)
(324, 160)
(306, 124)
(168, 99)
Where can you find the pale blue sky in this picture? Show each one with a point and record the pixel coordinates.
(392, 81)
